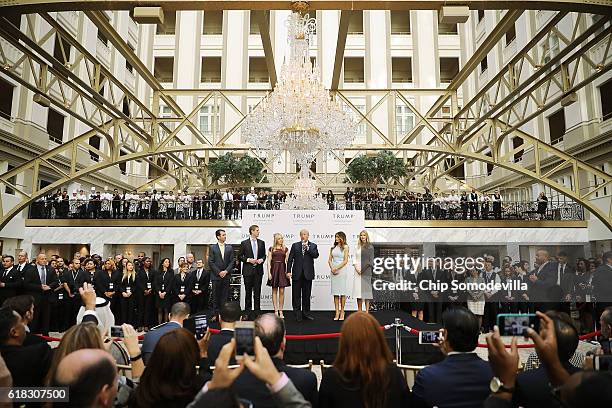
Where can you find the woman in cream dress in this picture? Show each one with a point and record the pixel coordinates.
(362, 279)
(337, 261)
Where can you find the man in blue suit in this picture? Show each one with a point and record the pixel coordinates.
(221, 263)
(178, 313)
(301, 265)
(462, 378)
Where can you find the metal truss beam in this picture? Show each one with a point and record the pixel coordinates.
(594, 6)
(262, 18)
(345, 17)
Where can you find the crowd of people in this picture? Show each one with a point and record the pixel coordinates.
(176, 368)
(142, 294)
(581, 290)
(228, 204)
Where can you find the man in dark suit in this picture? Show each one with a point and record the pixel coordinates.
(602, 284)
(201, 288)
(491, 308)
(533, 387)
(229, 315)
(23, 264)
(462, 378)
(28, 364)
(437, 276)
(10, 279)
(40, 282)
(221, 263)
(301, 264)
(544, 282)
(271, 331)
(252, 256)
(75, 277)
(179, 312)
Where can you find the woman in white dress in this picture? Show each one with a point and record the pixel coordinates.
(362, 280)
(337, 261)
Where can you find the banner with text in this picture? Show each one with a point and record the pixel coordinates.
(322, 226)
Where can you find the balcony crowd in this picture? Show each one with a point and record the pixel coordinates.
(228, 205)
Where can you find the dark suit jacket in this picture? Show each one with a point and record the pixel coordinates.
(216, 343)
(32, 283)
(247, 386)
(186, 285)
(218, 264)
(302, 265)
(152, 337)
(533, 388)
(165, 281)
(204, 280)
(246, 251)
(143, 283)
(460, 380)
(12, 282)
(28, 364)
(103, 283)
(602, 284)
(547, 280)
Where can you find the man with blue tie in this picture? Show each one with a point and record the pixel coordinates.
(252, 255)
(221, 264)
(40, 282)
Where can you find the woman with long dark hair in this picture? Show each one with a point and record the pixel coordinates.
(339, 273)
(363, 374)
(170, 378)
(163, 289)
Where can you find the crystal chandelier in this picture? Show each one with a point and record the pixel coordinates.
(304, 195)
(299, 116)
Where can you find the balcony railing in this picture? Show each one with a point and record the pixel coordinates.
(218, 209)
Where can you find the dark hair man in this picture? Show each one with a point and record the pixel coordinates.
(229, 315)
(271, 331)
(462, 374)
(221, 264)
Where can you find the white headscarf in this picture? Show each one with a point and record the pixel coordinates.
(106, 319)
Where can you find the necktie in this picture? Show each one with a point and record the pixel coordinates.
(199, 274)
(222, 250)
(303, 248)
(254, 246)
(41, 272)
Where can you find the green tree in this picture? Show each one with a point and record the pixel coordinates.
(227, 169)
(372, 170)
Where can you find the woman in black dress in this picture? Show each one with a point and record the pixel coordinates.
(146, 295)
(359, 378)
(128, 296)
(278, 278)
(542, 205)
(163, 290)
(182, 285)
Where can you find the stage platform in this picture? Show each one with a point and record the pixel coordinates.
(315, 348)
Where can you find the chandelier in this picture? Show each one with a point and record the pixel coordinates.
(299, 116)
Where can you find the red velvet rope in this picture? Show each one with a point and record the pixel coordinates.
(336, 335)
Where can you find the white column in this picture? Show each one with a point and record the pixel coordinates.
(187, 61)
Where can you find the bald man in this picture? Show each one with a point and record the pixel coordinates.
(91, 377)
(40, 282)
(271, 331)
(545, 289)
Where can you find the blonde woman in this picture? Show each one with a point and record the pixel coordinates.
(128, 297)
(278, 278)
(337, 261)
(363, 259)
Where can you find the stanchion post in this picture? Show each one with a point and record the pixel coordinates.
(398, 340)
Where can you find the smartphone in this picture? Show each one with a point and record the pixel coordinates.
(430, 336)
(244, 333)
(197, 324)
(116, 331)
(602, 363)
(516, 324)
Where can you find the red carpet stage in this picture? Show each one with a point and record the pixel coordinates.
(318, 340)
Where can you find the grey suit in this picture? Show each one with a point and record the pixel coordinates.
(153, 336)
(217, 264)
